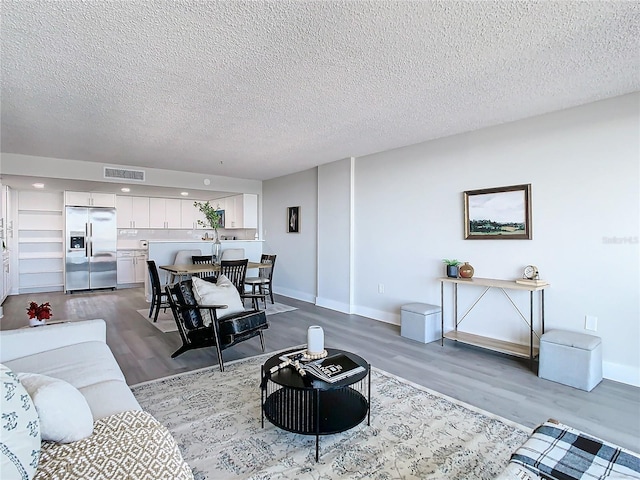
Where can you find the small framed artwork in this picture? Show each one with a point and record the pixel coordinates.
(293, 219)
(221, 218)
(501, 213)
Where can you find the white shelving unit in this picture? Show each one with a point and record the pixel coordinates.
(40, 241)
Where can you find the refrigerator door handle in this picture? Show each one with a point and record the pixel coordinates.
(90, 239)
(88, 246)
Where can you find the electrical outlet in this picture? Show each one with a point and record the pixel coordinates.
(590, 323)
(381, 288)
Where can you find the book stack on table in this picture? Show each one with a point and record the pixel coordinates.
(330, 369)
(333, 368)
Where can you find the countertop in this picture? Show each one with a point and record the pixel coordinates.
(210, 240)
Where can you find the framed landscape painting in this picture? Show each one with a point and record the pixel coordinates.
(293, 219)
(502, 213)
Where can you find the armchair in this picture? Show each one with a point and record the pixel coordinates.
(223, 331)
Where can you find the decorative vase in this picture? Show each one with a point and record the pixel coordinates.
(216, 248)
(452, 271)
(466, 270)
(315, 340)
(34, 322)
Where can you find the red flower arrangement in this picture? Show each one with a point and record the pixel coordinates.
(41, 312)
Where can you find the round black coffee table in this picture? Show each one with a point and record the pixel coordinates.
(310, 406)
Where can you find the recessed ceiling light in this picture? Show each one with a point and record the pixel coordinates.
(38, 185)
(125, 189)
(184, 194)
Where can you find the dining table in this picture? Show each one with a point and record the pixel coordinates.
(185, 269)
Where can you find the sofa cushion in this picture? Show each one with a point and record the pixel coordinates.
(109, 397)
(223, 292)
(88, 366)
(20, 439)
(63, 411)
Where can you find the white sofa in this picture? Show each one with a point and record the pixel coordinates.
(77, 353)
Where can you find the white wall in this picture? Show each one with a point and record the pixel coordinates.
(295, 271)
(583, 165)
(335, 248)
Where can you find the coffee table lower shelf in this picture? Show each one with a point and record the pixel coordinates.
(315, 412)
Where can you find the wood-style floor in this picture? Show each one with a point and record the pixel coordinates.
(494, 382)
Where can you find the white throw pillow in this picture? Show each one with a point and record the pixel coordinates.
(223, 292)
(64, 413)
(19, 429)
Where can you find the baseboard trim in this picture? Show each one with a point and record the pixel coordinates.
(333, 305)
(380, 315)
(298, 295)
(621, 373)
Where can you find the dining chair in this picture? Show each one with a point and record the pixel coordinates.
(233, 254)
(264, 279)
(183, 257)
(202, 260)
(158, 295)
(236, 272)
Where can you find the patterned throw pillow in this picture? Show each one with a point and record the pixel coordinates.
(19, 429)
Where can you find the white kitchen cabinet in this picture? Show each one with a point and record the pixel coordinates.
(249, 210)
(132, 267)
(165, 213)
(241, 211)
(190, 215)
(132, 212)
(140, 266)
(89, 199)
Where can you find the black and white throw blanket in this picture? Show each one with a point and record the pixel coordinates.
(556, 451)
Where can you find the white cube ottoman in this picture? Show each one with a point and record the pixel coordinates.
(571, 358)
(420, 322)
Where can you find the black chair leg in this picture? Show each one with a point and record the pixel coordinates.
(262, 340)
(220, 361)
(180, 351)
(153, 304)
(155, 318)
(271, 295)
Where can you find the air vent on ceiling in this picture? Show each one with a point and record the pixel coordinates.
(124, 174)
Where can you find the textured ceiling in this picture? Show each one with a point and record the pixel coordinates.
(261, 89)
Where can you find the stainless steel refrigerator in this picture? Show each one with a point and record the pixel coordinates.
(90, 250)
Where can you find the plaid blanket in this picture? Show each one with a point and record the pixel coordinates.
(556, 451)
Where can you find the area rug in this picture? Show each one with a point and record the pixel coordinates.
(414, 432)
(166, 323)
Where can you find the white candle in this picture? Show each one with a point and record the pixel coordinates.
(315, 339)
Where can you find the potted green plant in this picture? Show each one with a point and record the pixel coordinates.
(452, 267)
(211, 214)
(213, 219)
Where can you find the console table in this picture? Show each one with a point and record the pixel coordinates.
(312, 407)
(525, 351)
